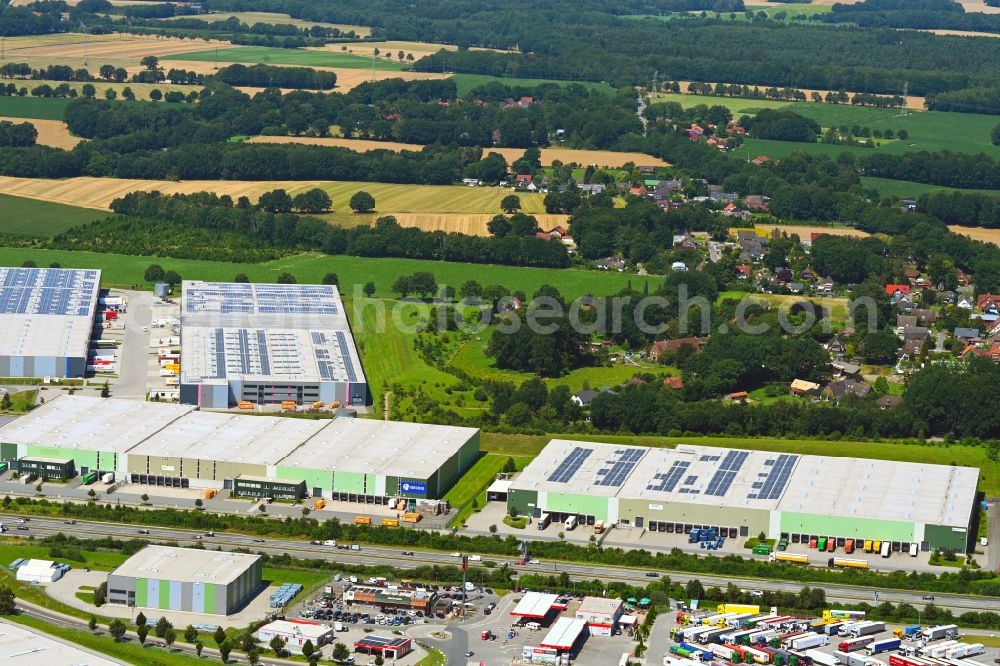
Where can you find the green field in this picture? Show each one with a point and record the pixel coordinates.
(275, 56)
(903, 188)
(123, 270)
(933, 453)
(98, 560)
(466, 82)
(738, 106)
(41, 219)
(42, 108)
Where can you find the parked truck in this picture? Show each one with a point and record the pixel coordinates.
(883, 645)
(794, 558)
(822, 658)
(855, 644)
(866, 629)
(108, 478)
(543, 521)
(570, 523)
(940, 631)
(963, 650)
(907, 632)
(938, 650)
(738, 608)
(809, 641)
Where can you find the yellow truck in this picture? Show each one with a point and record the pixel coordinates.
(738, 608)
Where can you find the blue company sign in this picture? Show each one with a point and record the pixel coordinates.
(413, 487)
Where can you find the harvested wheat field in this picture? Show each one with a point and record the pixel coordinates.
(805, 231)
(604, 158)
(118, 50)
(100, 192)
(273, 18)
(472, 225)
(50, 132)
(347, 79)
(978, 233)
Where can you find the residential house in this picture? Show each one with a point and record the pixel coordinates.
(592, 188)
(796, 287)
(522, 179)
(967, 334)
(897, 290)
(925, 316)
(756, 202)
(911, 274)
(889, 402)
(905, 321)
(915, 333)
(685, 241)
(584, 397)
(667, 188)
(782, 275)
(961, 278)
(807, 275)
(803, 387)
(660, 347)
(988, 303)
(838, 390)
(611, 264)
(964, 302)
(836, 346)
(947, 297)
(715, 193)
(743, 271)
(824, 287)
(911, 349)
(737, 396)
(732, 210)
(675, 383)
(761, 161)
(647, 170)
(909, 204)
(846, 370)
(733, 127)
(922, 283)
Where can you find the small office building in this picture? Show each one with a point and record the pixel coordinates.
(601, 615)
(295, 633)
(50, 469)
(263, 487)
(390, 648)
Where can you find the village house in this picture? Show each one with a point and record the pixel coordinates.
(675, 383)
(761, 161)
(611, 264)
(889, 402)
(756, 202)
(838, 390)
(803, 387)
(966, 334)
(846, 370)
(584, 397)
(661, 347)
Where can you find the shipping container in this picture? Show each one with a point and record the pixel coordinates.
(868, 545)
(244, 404)
(543, 521)
(965, 650)
(362, 520)
(714, 636)
(758, 655)
(289, 406)
(411, 517)
(761, 549)
(849, 659)
(849, 546)
(88, 478)
(883, 645)
(834, 627)
(821, 545)
(914, 549)
(886, 548)
(724, 652)
(938, 650)
(390, 522)
(697, 652)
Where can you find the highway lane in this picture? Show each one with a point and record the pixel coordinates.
(369, 555)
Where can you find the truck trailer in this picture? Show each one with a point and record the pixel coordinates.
(866, 629)
(883, 645)
(809, 641)
(940, 631)
(853, 644)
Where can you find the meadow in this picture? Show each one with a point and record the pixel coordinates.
(42, 219)
(276, 56)
(141, 90)
(275, 18)
(738, 106)
(466, 82)
(42, 108)
(887, 187)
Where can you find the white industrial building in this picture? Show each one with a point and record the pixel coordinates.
(601, 615)
(39, 571)
(267, 344)
(25, 646)
(46, 319)
(295, 633)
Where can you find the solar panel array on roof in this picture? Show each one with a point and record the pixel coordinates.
(346, 355)
(620, 468)
(726, 474)
(669, 479)
(777, 477)
(47, 291)
(265, 299)
(568, 467)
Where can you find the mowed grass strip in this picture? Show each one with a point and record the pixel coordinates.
(275, 56)
(41, 219)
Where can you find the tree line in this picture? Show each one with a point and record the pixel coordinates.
(206, 226)
(17, 134)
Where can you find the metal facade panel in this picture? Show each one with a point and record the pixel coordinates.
(175, 602)
(198, 597)
(153, 593)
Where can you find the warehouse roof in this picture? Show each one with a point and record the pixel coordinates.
(849, 487)
(254, 440)
(24, 646)
(393, 448)
(255, 332)
(186, 565)
(564, 633)
(535, 604)
(47, 311)
(91, 423)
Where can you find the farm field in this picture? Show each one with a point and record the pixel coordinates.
(804, 230)
(605, 158)
(933, 453)
(274, 18)
(469, 224)
(903, 188)
(42, 219)
(141, 90)
(466, 82)
(277, 56)
(978, 233)
(117, 49)
(418, 49)
(347, 78)
(41, 108)
(737, 105)
(100, 192)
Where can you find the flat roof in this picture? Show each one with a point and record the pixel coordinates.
(47, 311)
(85, 423)
(380, 642)
(43, 459)
(369, 446)
(244, 438)
(25, 646)
(297, 628)
(762, 480)
(499, 486)
(564, 633)
(265, 332)
(599, 606)
(535, 604)
(186, 565)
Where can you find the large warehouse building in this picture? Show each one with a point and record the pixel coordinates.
(186, 579)
(159, 444)
(46, 318)
(267, 344)
(747, 492)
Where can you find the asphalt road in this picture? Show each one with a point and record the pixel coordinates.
(133, 362)
(373, 555)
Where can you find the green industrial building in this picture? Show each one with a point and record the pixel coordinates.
(186, 579)
(350, 459)
(744, 493)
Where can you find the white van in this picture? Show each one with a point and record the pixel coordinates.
(329, 542)
(534, 626)
(475, 558)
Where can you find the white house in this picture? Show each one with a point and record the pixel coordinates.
(39, 571)
(295, 633)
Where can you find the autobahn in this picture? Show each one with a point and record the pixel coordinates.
(378, 555)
